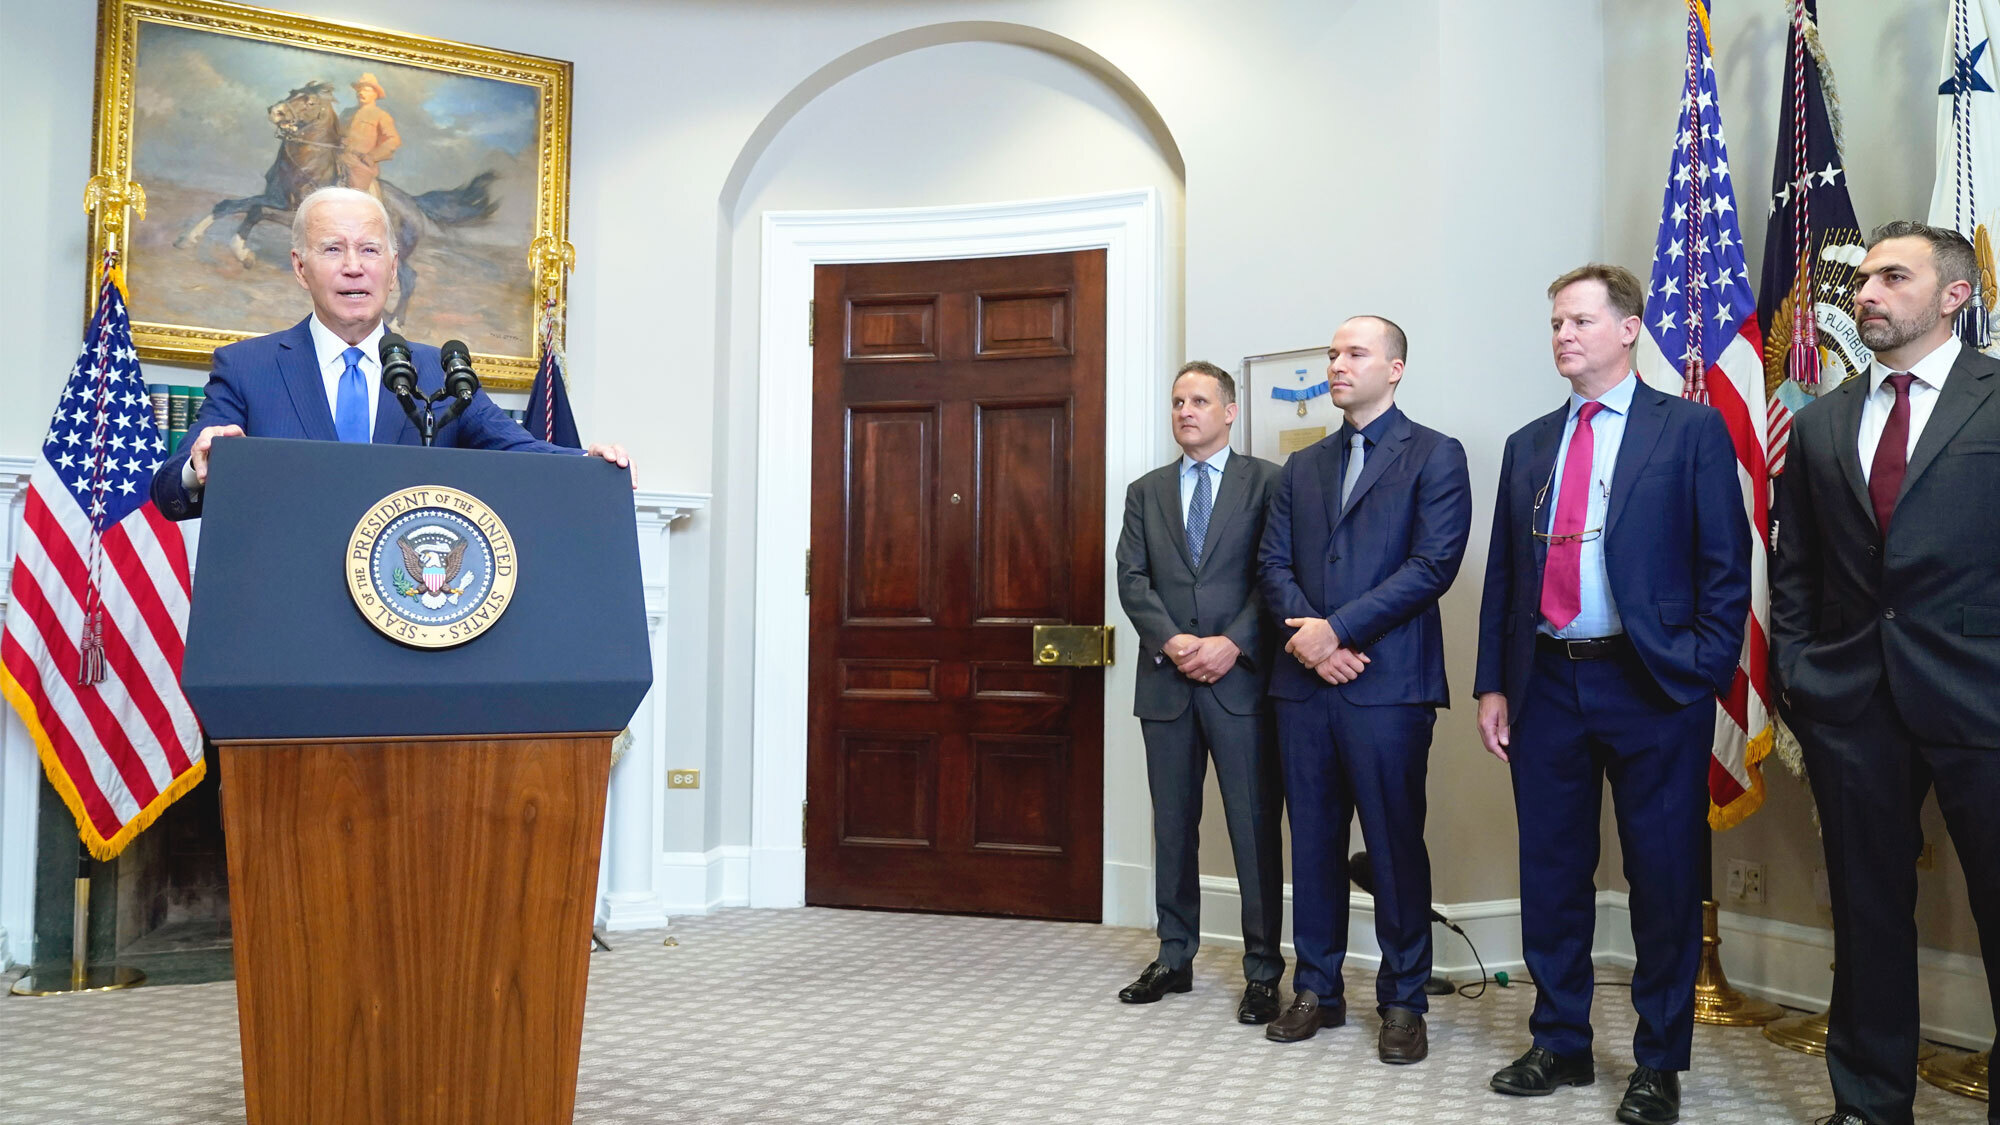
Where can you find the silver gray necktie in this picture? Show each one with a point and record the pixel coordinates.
(1353, 472)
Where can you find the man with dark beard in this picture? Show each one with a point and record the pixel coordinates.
(1885, 633)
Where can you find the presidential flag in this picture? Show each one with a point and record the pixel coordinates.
(1966, 196)
(548, 415)
(1812, 245)
(91, 653)
(1701, 341)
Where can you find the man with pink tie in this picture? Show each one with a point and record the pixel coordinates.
(1617, 592)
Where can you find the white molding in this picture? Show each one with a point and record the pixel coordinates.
(20, 767)
(698, 882)
(632, 891)
(1124, 224)
(1780, 961)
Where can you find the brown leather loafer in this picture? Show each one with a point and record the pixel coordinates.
(1404, 1039)
(1305, 1017)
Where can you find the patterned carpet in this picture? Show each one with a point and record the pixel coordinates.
(851, 1016)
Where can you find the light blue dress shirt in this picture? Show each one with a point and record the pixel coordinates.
(1599, 617)
(1215, 463)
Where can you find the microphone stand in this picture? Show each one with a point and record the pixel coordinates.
(425, 419)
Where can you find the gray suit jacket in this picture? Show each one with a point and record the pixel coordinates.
(1164, 594)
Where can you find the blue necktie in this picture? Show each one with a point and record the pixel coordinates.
(1198, 510)
(350, 413)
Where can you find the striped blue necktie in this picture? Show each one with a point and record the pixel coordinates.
(1198, 510)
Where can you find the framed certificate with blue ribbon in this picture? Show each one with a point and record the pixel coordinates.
(1283, 403)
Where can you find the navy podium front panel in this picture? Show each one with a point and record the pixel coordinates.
(277, 647)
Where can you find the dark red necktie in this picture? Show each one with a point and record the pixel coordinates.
(1562, 575)
(1892, 455)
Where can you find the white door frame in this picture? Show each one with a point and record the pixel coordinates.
(1126, 225)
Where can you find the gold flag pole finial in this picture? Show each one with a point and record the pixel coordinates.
(108, 199)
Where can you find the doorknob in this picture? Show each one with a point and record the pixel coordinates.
(1072, 646)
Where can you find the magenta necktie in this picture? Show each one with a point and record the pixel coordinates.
(1562, 578)
(1892, 455)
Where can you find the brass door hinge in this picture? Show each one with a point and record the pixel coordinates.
(812, 321)
(802, 822)
(809, 572)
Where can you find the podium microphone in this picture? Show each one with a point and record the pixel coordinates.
(399, 371)
(460, 382)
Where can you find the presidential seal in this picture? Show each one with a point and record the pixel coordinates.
(431, 566)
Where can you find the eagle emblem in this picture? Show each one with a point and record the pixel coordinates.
(433, 570)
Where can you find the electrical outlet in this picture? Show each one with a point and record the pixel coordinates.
(1927, 857)
(683, 779)
(1746, 881)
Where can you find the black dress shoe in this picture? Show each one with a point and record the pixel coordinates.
(1305, 1017)
(1652, 1097)
(1260, 1003)
(1541, 1071)
(1403, 1038)
(1157, 981)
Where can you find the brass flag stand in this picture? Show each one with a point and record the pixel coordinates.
(81, 976)
(1716, 1001)
(1969, 1075)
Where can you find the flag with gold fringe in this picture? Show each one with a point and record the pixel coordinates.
(91, 653)
(1701, 341)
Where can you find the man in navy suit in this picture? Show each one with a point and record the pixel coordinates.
(1365, 533)
(322, 378)
(1617, 595)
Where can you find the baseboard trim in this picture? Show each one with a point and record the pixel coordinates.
(1780, 961)
(698, 882)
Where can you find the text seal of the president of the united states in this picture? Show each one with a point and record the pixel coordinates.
(431, 566)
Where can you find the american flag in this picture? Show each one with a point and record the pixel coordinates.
(91, 654)
(1701, 341)
(548, 415)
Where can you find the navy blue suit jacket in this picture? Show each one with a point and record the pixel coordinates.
(1380, 566)
(271, 386)
(1676, 546)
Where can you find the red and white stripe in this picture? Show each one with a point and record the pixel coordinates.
(1735, 385)
(119, 750)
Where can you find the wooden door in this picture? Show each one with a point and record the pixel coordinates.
(958, 501)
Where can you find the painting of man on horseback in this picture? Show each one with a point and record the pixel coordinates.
(314, 152)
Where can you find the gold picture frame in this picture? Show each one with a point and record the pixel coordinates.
(200, 102)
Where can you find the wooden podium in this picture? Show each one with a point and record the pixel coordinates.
(413, 834)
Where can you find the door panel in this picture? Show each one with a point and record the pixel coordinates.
(958, 500)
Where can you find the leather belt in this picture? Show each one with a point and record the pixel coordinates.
(1590, 648)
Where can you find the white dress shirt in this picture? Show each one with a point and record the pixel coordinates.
(1599, 615)
(1215, 462)
(1931, 372)
(332, 365)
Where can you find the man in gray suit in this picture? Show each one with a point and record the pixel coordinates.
(1187, 575)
